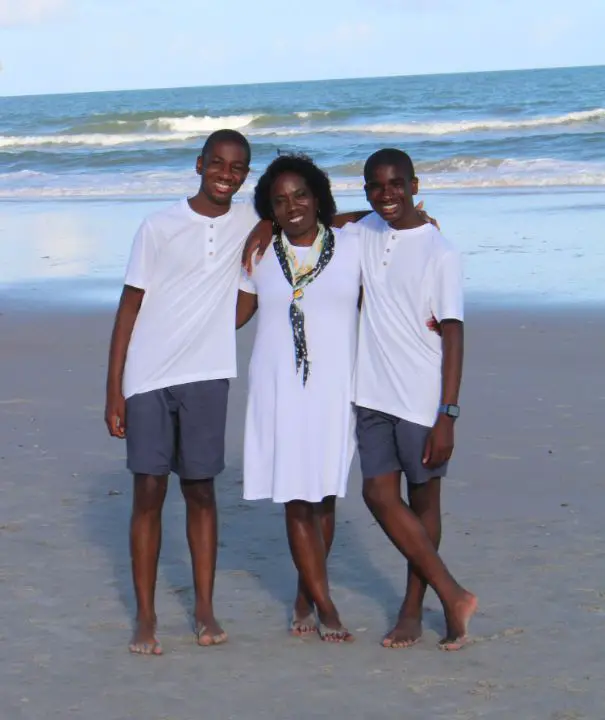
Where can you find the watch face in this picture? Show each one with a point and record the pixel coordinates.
(453, 411)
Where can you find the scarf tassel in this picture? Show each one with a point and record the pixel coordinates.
(297, 320)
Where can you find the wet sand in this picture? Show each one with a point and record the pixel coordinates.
(523, 529)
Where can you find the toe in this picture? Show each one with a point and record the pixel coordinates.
(453, 644)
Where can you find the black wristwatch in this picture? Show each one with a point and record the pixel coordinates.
(452, 411)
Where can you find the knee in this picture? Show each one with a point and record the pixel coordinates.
(149, 494)
(376, 495)
(299, 511)
(199, 494)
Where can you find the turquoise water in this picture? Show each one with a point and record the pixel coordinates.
(485, 130)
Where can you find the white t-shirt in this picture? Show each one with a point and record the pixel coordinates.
(408, 275)
(189, 267)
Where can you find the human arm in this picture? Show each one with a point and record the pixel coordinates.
(447, 307)
(355, 216)
(440, 442)
(115, 405)
(247, 305)
(257, 242)
(342, 219)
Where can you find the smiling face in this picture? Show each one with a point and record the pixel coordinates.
(390, 193)
(294, 207)
(223, 167)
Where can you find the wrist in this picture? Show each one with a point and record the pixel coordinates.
(114, 388)
(449, 411)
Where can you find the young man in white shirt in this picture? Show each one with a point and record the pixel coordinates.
(408, 380)
(172, 354)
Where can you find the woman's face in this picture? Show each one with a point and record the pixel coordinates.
(294, 207)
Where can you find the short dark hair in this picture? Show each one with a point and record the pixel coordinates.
(389, 156)
(316, 179)
(231, 136)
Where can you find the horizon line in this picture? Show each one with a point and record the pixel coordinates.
(298, 82)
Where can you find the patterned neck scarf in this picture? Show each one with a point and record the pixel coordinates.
(299, 275)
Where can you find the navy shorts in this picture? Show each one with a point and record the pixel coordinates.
(389, 444)
(179, 429)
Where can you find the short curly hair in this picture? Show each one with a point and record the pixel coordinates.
(316, 179)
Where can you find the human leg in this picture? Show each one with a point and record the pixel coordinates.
(382, 495)
(425, 503)
(202, 536)
(303, 619)
(308, 550)
(145, 542)
(150, 446)
(202, 412)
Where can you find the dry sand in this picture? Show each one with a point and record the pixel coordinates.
(523, 529)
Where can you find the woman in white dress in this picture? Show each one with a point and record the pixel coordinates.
(299, 439)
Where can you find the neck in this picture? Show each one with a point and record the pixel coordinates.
(203, 205)
(305, 240)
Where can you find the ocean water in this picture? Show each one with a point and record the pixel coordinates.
(537, 128)
(512, 164)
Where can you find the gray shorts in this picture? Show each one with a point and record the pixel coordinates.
(179, 429)
(388, 444)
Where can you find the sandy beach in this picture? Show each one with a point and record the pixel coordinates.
(523, 529)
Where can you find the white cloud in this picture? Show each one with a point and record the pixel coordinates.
(27, 12)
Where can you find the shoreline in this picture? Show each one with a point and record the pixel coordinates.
(519, 248)
(82, 299)
(343, 195)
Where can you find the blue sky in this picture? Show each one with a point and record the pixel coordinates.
(85, 45)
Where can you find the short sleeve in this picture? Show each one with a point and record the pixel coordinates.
(246, 282)
(352, 228)
(247, 215)
(350, 237)
(142, 258)
(448, 297)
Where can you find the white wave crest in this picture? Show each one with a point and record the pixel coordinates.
(305, 114)
(167, 130)
(92, 139)
(493, 173)
(195, 125)
(174, 130)
(448, 128)
(463, 126)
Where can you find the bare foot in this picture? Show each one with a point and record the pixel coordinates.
(303, 626)
(458, 618)
(144, 641)
(330, 629)
(407, 632)
(303, 621)
(334, 634)
(208, 631)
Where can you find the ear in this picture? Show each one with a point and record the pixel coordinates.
(414, 186)
(365, 189)
(199, 165)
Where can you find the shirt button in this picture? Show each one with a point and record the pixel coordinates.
(385, 263)
(211, 253)
(388, 249)
(211, 225)
(211, 239)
